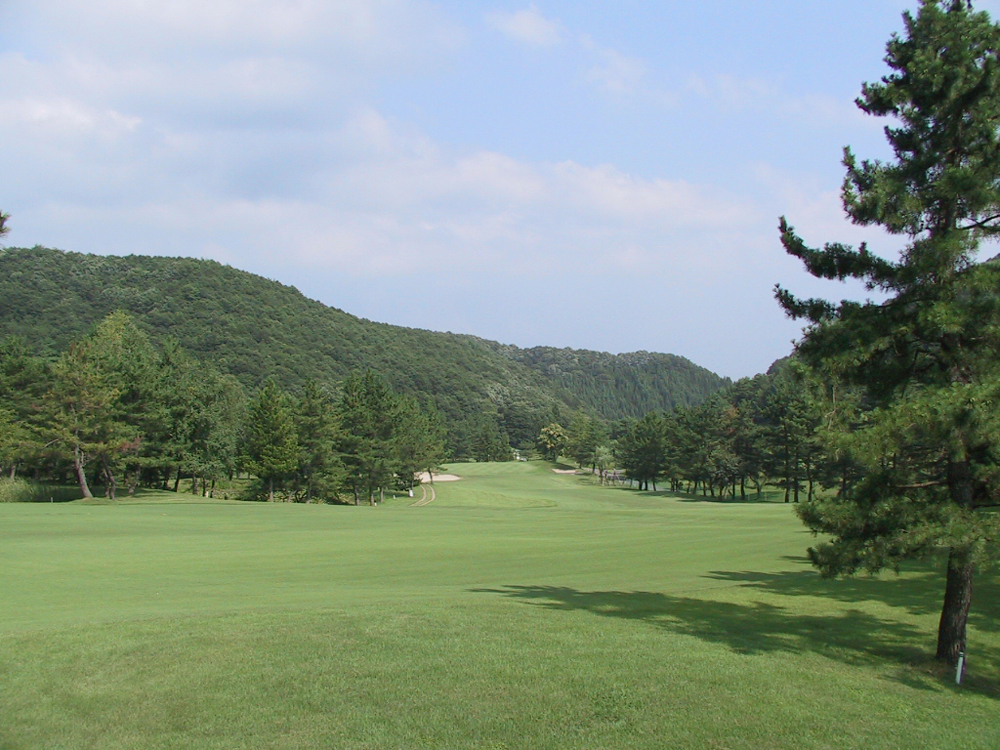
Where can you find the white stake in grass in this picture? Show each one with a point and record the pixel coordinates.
(960, 667)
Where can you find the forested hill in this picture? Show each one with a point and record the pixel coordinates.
(617, 385)
(253, 327)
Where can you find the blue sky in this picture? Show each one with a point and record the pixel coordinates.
(601, 175)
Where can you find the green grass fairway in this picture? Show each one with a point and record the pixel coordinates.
(519, 609)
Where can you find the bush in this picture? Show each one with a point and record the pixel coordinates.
(22, 491)
(16, 491)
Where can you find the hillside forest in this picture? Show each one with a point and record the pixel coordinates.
(252, 328)
(117, 411)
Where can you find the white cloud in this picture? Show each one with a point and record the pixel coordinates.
(614, 72)
(366, 28)
(729, 92)
(388, 201)
(247, 131)
(62, 118)
(528, 27)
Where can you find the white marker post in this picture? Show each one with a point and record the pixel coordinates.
(960, 668)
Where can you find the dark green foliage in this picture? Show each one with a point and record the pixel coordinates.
(642, 450)
(584, 437)
(112, 401)
(272, 447)
(24, 380)
(418, 440)
(200, 418)
(253, 328)
(614, 386)
(320, 468)
(927, 436)
(758, 431)
(368, 413)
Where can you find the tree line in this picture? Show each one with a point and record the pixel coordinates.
(760, 431)
(253, 328)
(116, 411)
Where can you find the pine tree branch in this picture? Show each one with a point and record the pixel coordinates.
(981, 224)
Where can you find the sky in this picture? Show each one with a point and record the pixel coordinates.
(597, 175)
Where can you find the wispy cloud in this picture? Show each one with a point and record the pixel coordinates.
(613, 72)
(276, 135)
(528, 27)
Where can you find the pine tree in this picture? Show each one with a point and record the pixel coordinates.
(272, 447)
(418, 440)
(927, 354)
(82, 415)
(367, 412)
(318, 432)
(642, 450)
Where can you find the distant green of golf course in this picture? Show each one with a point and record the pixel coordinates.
(519, 609)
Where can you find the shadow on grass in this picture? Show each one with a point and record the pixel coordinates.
(919, 591)
(766, 498)
(854, 637)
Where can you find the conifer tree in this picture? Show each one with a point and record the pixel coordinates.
(272, 447)
(24, 381)
(367, 411)
(318, 433)
(418, 441)
(642, 450)
(81, 414)
(927, 354)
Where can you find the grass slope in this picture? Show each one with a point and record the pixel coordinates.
(520, 609)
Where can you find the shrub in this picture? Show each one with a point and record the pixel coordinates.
(16, 491)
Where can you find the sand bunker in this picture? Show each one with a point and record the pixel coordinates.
(565, 471)
(425, 477)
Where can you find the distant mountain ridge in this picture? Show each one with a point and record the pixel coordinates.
(253, 328)
(619, 385)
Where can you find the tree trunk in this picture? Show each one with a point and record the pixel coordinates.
(109, 481)
(955, 612)
(177, 481)
(81, 475)
(809, 478)
(270, 490)
(958, 584)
